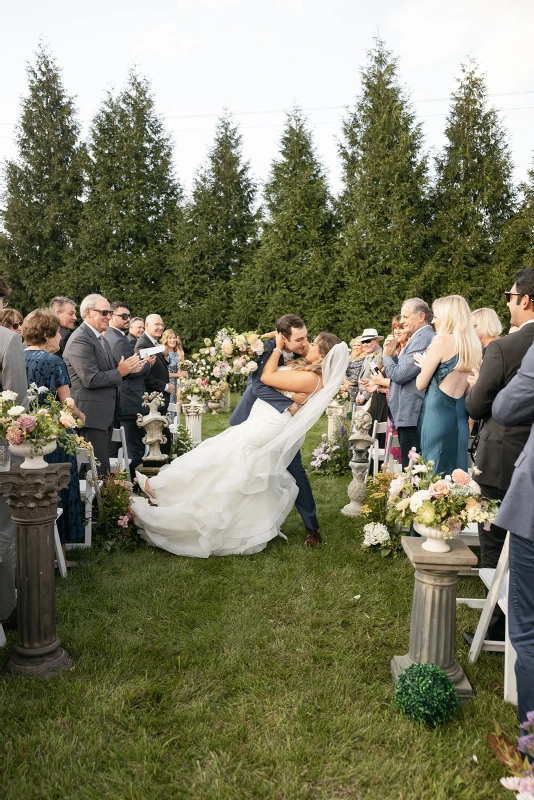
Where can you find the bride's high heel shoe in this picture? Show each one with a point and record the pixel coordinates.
(142, 481)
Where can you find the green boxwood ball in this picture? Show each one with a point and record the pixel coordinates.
(425, 693)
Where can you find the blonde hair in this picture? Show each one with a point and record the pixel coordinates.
(487, 321)
(325, 342)
(165, 336)
(455, 317)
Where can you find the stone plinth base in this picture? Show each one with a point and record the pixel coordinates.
(47, 667)
(433, 620)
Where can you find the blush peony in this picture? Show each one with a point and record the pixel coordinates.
(461, 477)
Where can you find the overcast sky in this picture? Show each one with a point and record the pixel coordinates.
(258, 57)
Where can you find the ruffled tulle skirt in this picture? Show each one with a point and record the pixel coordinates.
(222, 497)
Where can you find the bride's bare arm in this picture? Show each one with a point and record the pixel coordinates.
(286, 380)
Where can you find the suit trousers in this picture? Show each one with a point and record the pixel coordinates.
(407, 440)
(134, 442)
(521, 619)
(305, 504)
(100, 439)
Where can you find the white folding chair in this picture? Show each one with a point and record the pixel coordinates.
(89, 490)
(60, 558)
(174, 408)
(379, 453)
(121, 462)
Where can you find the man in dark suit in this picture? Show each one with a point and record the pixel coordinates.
(132, 387)
(500, 446)
(514, 407)
(65, 310)
(136, 329)
(296, 338)
(95, 375)
(157, 380)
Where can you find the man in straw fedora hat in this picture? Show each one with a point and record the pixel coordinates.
(372, 358)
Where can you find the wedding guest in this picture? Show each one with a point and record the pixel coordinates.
(487, 325)
(445, 366)
(353, 370)
(12, 319)
(499, 447)
(157, 380)
(405, 399)
(41, 332)
(136, 329)
(12, 378)
(372, 358)
(175, 355)
(65, 309)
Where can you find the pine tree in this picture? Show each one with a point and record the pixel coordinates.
(216, 240)
(43, 189)
(132, 202)
(292, 264)
(473, 197)
(383, 203)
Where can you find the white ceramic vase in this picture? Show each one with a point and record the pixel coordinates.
(435, 543)
(33, 459)
(214, 407)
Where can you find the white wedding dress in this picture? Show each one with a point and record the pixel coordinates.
(231, 494)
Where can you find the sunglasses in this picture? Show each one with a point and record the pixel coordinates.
(123, 316)
(104, 313)
(508, 295)
(16, 326)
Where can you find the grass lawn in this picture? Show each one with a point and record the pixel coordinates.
(244, 677)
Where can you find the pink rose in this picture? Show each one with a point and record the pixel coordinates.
(439, 489)
(123, 521)
(461, 477)
(27, 423)
(43, 412)
(413, 454)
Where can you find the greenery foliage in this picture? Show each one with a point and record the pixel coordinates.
(425, 693)
(374, 510)
(113, 526)
(332, 456)
(181, 441)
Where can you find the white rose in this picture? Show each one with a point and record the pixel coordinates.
(396, 485)
(16, 411)
(252, 366)
(7, 394)
(418, 499)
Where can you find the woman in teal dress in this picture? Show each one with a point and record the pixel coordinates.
(443, 428)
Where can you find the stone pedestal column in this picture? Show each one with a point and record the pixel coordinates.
(356, 490)
(32, 495)
(433, 621)
(334, 411)
(225, 402)
(193, 421)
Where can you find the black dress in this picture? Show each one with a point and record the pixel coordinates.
(45, 369)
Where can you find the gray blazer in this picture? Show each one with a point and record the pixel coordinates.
(13, 365)
(132, 387)
(94, 377)
(405, 399)
(514, 405)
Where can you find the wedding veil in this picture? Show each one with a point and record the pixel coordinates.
(282, 449)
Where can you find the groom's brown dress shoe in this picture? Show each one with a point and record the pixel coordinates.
(313, 539)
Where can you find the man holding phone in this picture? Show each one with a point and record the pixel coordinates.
(371, 361)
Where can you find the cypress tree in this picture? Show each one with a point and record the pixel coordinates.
(292, 264)
(383, 204)
(132, 201)
(473, 197)
(43, 189)
(215, 240)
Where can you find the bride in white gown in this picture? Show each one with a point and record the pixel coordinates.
(232, 493)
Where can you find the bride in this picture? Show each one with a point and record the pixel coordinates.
(232, 493)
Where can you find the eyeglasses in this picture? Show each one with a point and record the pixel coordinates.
(105, 312)
(508, 295)
(16, 325)
(5, 302)
(122, 316)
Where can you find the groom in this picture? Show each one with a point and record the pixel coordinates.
(295, 335)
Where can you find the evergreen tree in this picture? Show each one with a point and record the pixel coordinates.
(292, 264)
(215, 241)
(383, 203)
(132, 202)
(473, 197)
(43, 189)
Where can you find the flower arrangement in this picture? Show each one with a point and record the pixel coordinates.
(425, 693)
(374, 512)
(419, 495)
(41, 423)
(522, 779)
(343, 396)
(332, 456)
(113, 526)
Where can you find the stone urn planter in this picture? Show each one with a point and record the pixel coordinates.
(33, 457)
(435, 542)
(214, 407)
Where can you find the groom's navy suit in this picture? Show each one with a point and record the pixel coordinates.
(256, 390)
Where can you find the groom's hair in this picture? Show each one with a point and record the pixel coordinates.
(288, 321)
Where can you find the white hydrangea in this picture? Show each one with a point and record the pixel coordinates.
(417, 499)
(375, 533)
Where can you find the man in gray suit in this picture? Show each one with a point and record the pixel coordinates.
(132, 387)
(96, 375)
(514, 405)
(405, 399)
(12, 377)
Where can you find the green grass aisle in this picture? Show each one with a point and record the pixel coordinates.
(243, 677)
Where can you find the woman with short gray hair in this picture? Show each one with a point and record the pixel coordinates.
(487, 325)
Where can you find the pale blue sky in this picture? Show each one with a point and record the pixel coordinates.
(262, 55)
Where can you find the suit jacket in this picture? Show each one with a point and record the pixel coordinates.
(13, 365)
(65, 336)
(132, 339)
(405, 399)
(257, 390)
(94, 377)
(514, 406)
(499, 446)
(158, 377)
(133, 386)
